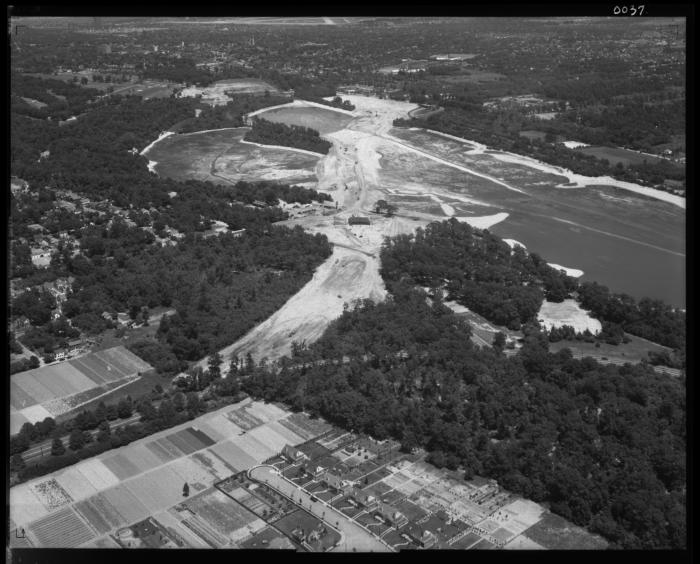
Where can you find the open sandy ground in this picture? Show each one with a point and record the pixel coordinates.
(355, 174)
(567, 312)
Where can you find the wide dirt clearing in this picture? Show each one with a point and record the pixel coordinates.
(617, 236)
(220, 157)
(323, 121)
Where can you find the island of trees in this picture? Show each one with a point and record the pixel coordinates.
(270, 133)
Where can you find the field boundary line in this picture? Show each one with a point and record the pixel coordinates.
(312, 153)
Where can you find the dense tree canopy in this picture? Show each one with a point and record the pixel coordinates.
(270, 133)
(477, 269)
(603, 445)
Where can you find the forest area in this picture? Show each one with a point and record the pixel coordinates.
(230, 114)
(603, 446)
(507, 286)
(120, 266)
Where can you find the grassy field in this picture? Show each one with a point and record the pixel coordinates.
(555, 533)
(135, 389)
(533, 134)
(147, 89)
(323, 121)
(632, 352)
(617, 155)
(473, 76)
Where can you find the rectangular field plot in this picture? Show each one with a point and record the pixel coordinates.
(19, 398)
(312, 427)
(97, 474)
(121, 466)
(244, 419)
(526, 512)
(269, 437)
(99, 366)
(75, 379)
(269, 537)
(16, 422)
(124, 360)
(201, 436)
(214, 465)
(64, 376)
(163, 454)
(296, 429)
(503, 535)
(249, 501)
(216, 434)
(57, 387)
(157, 490)
(265, 412)
(35, 413)
(159, 452)
(233, 455)
(409, 488)
(556, 533)
(178, 531)
(142, 457)
(168, 446)
(290, 436)
(224, 426)
(51, 494)
(125, 504)
(33, 387)
(25, 506)
(63, 529)
(257, 450)
(108, 357)
(189, 471)
(196, 439)
(483, 544)
(184, 442)
(220, 511)
(100, 514)
(466, 541)
(96, 377)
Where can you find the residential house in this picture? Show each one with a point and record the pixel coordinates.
(41, 258)
(335, 480)
(20, 324)
(314, 470)
(394, 518)
(367, 500)
(293, 454)
(72, 347)
(124, 319)
(421, 536)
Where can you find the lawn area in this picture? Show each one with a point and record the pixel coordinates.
(617, 155)
(555, 533)
(632, 352)
(108, 339)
